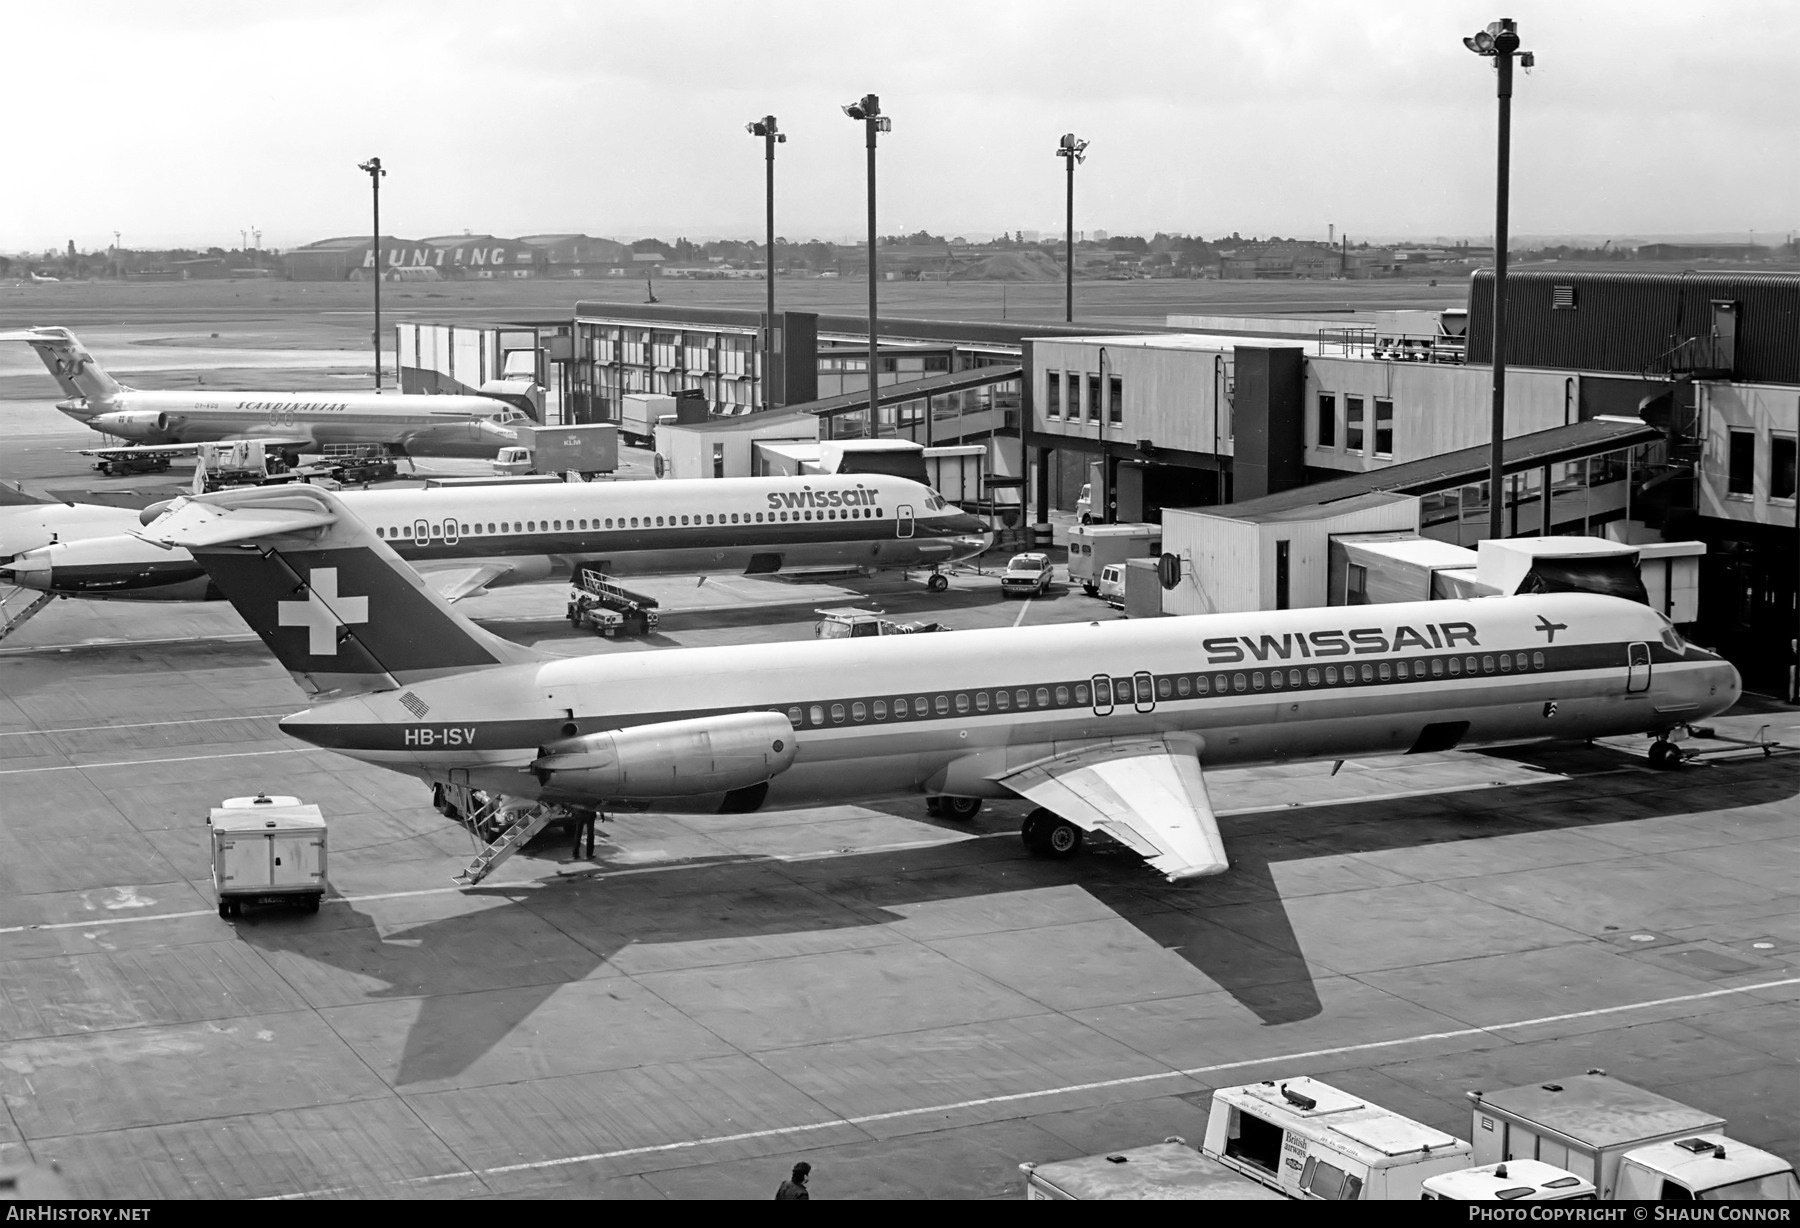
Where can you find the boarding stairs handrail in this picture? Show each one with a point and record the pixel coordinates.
(11, 621)
(526, 822)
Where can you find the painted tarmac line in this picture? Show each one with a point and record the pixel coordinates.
(1189, 1072)
(82, 767)
(199, 720)
(1023, 611)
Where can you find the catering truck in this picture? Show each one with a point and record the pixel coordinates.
(1166, 1170)
(587, 449)
(1095, 547)
(1633, 1145)
(267, 850)
(1307, 1139)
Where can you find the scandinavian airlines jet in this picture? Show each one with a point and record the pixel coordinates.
(465, 539)
(294, 422)
(1106, 727)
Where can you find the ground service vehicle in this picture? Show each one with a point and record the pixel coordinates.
(1028, 575)
(1111, 588)
(267, 850)
(1169, 1169)
(849, 623)
(1310, 1140)
(640, 413)
(607, 608)
(127, 460)
(1634, 1145)
(1510, 1181)
(1094, 547)
(588, 449)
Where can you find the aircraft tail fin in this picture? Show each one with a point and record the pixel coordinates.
(12, 494)
(332, 601)
(75, 370)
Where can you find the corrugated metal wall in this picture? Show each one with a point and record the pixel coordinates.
(1629, 322)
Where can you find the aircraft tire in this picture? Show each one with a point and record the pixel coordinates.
(1048, 834)
(962, 809)
(938, 582)
(1664, 755)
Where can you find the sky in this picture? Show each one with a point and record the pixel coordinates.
(188, 122)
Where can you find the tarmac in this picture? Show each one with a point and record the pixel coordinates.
(913, 1005)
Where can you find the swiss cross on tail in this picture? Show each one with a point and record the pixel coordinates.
(323, 612)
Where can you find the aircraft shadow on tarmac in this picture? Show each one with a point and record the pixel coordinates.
(471, 1004)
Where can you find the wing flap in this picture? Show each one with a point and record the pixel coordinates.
(216, 520)
(456, 582)
(1148, 794)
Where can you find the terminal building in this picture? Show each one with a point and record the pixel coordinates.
(1645, 407)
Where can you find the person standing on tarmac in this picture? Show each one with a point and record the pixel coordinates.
(794, 1188)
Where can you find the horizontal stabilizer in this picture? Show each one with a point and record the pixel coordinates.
(1148, 794)
(226, 517)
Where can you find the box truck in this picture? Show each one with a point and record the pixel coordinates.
(588, 450)
(1166, 1170)
(267, 850)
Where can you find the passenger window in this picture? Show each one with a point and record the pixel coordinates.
(709, 518)
(380, 532)
(609, 522)
(795, 717)
(1505, 664)
(818, 714)
(1293, 677)
(1331, 675)
(962, 703)
(1222, 683)
(899, 708)
(837, 713)
(1002, 701)
(1240, 682)
(1537, 660)
(1183, 686)
(1022, 697)
(1102, 692)
(858, 712)
(490, 528)
(1312, 676)
(981, 701)
(881, 709)
(1256, 680)
(1275, 679)
(921, 706)
(1455, 666)
(1043, 697)
(1062, 695)
(1201, 685)
(1122, 688)
(1437, 667)
(1368, 673)
(1385, 670)
(943, 705)
(634, 522)
(1081, 693)
(1521, 661)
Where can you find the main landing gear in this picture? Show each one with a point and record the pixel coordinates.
(937, 582)
(962, 809)
(1665, 755)
(1050, 835)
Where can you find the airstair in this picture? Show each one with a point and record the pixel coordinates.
(17, 607)
(517, 822)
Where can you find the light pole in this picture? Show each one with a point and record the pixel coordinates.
(765, 128)
(1071, 150)
(373, 167)
(867, 109)
(1500, 41)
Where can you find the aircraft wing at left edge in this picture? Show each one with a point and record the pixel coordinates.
(217, 519)
(1147, 793)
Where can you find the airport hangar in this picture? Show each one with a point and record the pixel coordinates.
(1664, 406)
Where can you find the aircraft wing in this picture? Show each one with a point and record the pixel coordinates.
(456, 581)
(215, 520)
(1147, 793)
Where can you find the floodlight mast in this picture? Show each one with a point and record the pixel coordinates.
(867, 110)
(373, 167)
(1500, 42)
(772, 136)
(1072, 150)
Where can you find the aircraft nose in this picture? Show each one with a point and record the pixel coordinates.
(494, 431)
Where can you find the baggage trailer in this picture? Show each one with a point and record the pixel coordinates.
(267, 850)
(606, 608)
(1166, 1170)
(1309, 1140)
(1633, 1145)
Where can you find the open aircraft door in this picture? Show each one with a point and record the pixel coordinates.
(1637, 669)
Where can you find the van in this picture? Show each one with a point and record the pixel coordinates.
(1309, 1140)
(1111, 587)
(1092, 547)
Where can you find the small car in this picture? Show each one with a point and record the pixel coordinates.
(1027, 575)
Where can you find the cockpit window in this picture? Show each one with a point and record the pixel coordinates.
(1671, 638)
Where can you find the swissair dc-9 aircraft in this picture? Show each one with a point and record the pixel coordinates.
(293, 422)
(1107, 727)
(466, 539)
